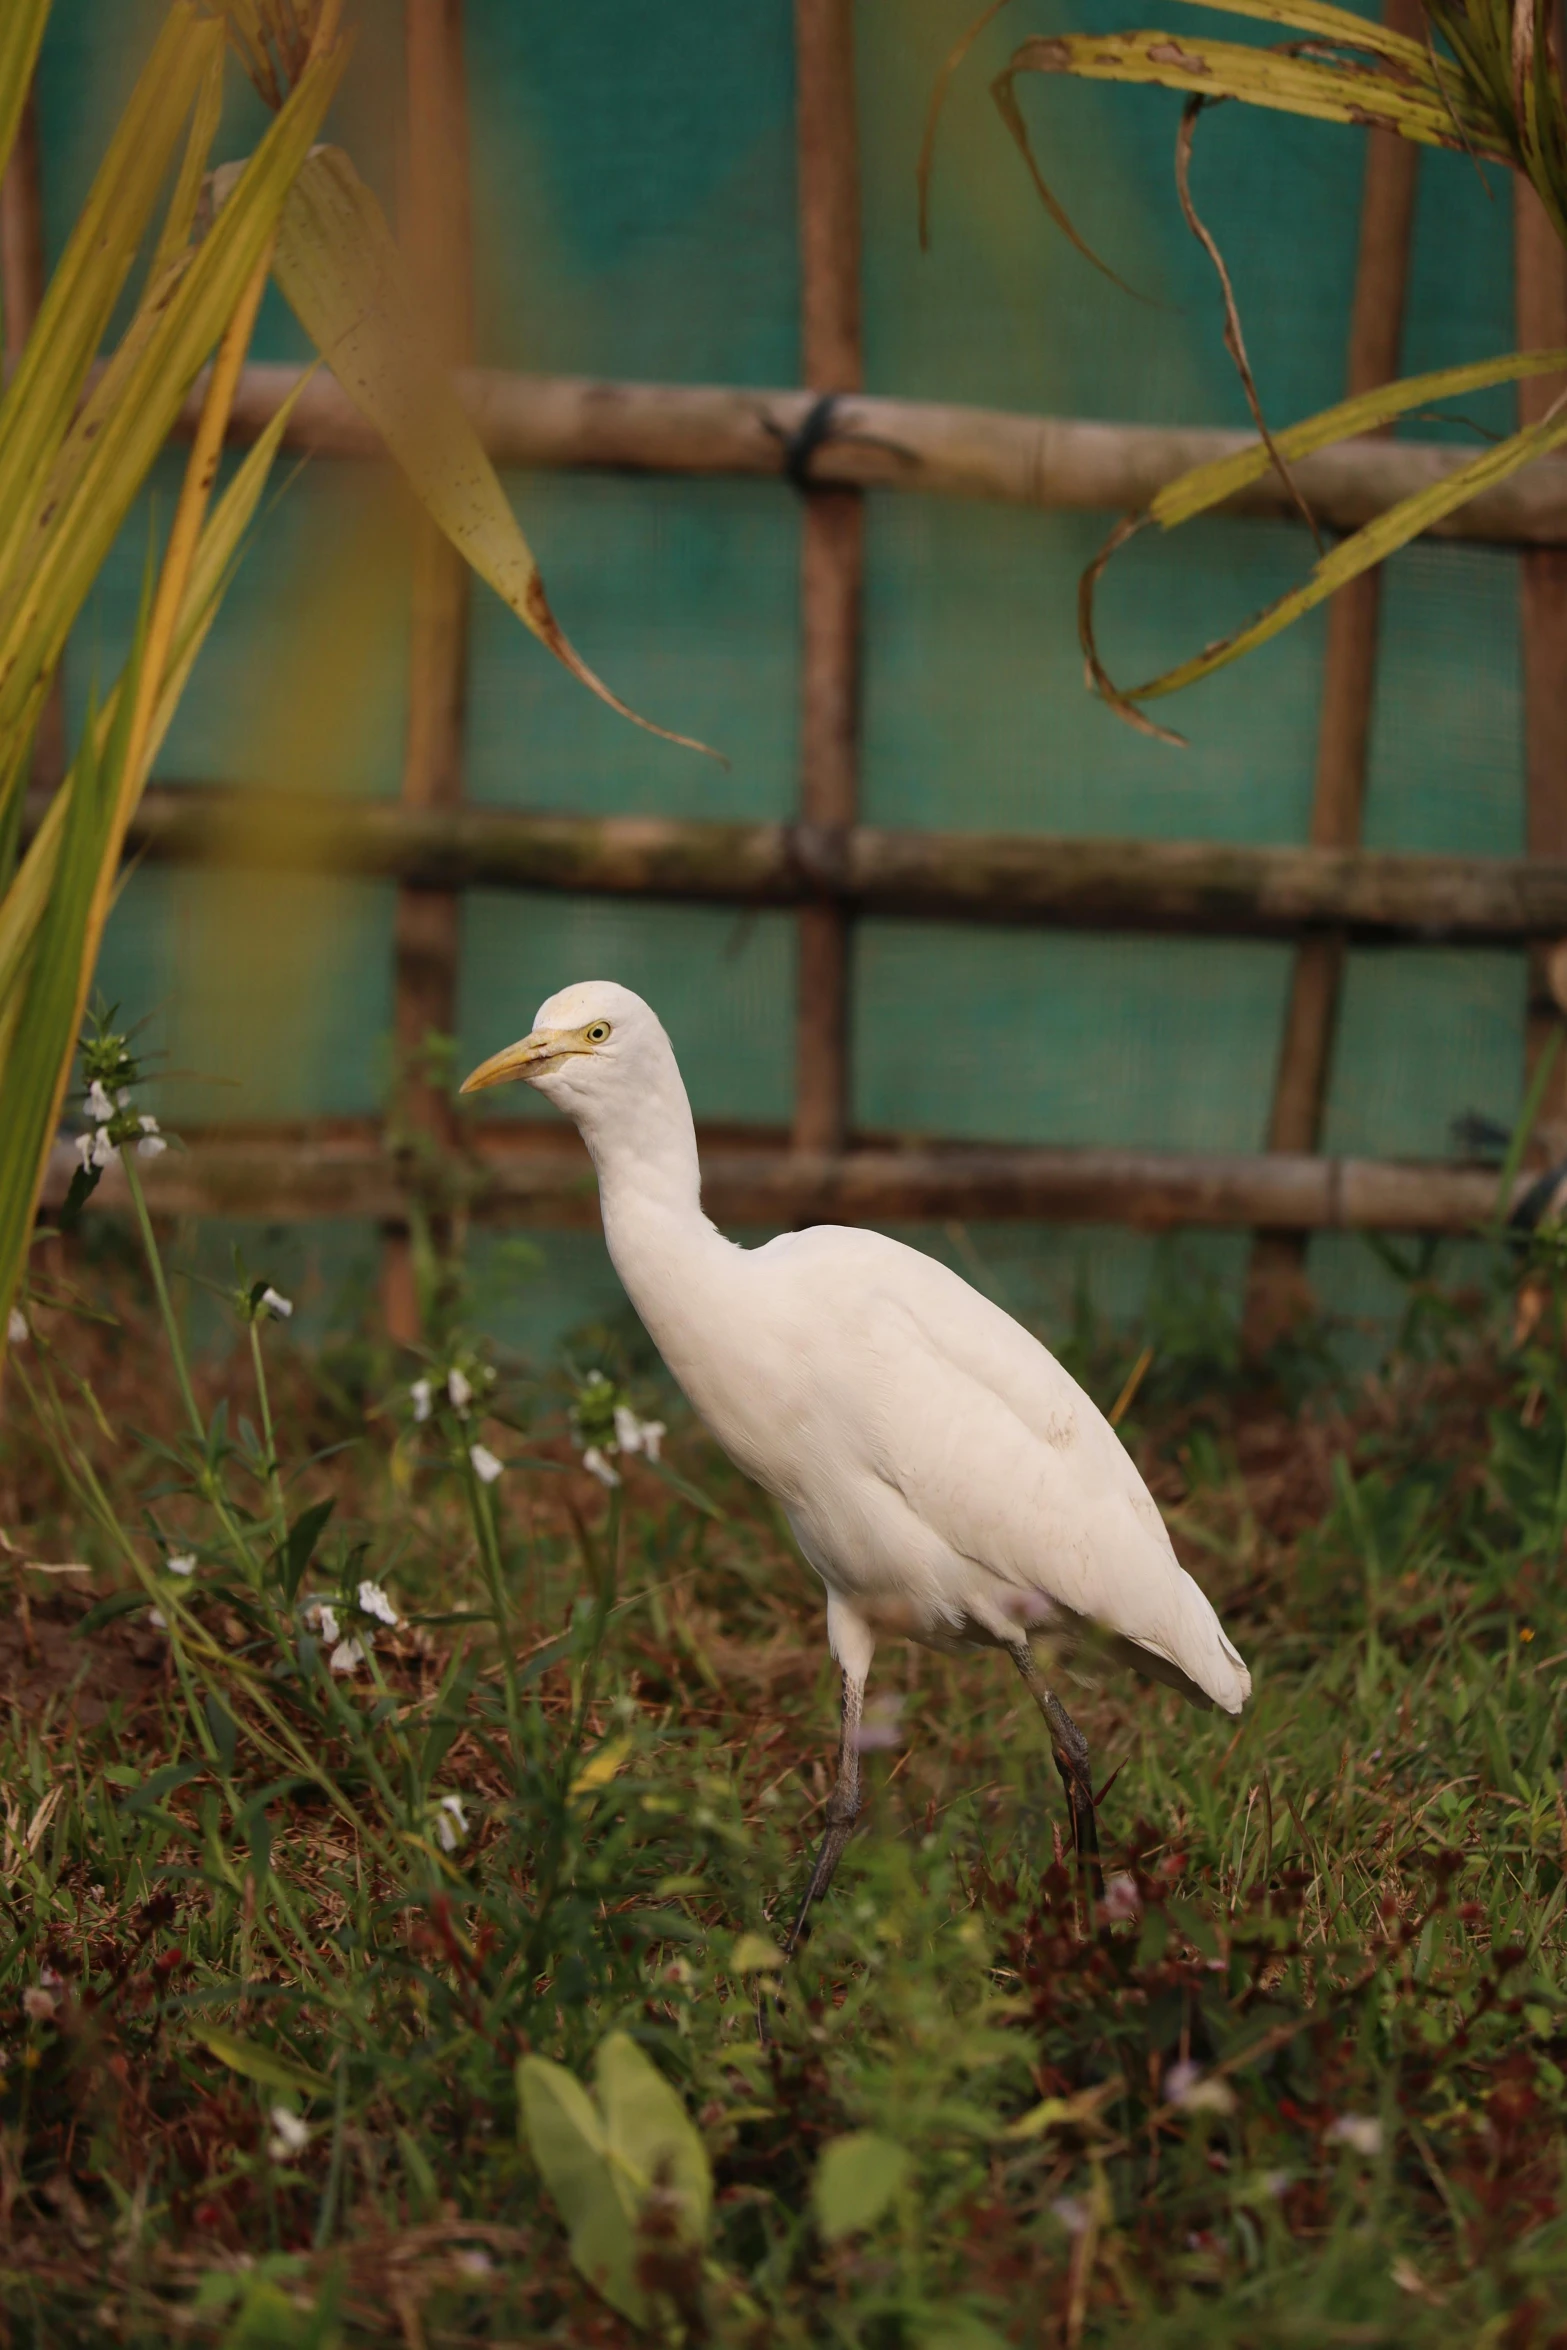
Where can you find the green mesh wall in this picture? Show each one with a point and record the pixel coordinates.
(634, 213)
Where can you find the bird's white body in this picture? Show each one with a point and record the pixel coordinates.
(946, 1478)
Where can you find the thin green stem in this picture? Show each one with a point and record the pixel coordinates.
(483, 1516)
(160, 1285)
(264, 1402)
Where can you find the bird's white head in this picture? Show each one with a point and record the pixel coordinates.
(600, 1054)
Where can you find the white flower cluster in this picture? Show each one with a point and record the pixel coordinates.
(349, 1650)
(115, 1122)
(451, 1822)
(631, 1435)
(487, 1466)
(290, 2135)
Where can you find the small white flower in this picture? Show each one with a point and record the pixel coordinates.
(347, 1656)
(321, 1618)
(157, 1619)
(95, 1149)
(485, 1465)
(1073, 2212)
(451, 1824)
(1362, 2132)
(17, 1327)
(459, 1390)
(38, 2005)
(597, 1466)
(374, 1602)
(99, 1105)
(277, 1305)
(290, 2135)
(1186, 2085)
(634, 1435)
(420, 1396)
(181, 1563)
(474, 2261)
(152, 1144)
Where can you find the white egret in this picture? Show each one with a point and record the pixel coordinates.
(947, 1479)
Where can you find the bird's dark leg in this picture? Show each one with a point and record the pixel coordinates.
(843, 1807)
(1070, 1749)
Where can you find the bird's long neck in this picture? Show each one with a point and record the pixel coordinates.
(650, 1192)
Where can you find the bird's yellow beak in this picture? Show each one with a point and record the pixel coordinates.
(543, 1050)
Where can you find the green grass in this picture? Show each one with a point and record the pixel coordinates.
(1301, 2082)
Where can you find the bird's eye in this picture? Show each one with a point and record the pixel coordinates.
(598, 1032)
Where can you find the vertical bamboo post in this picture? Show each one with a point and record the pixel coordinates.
(1540, 294)
(832, 561)
(438, 242)
(1276, 1287)
(22, 293)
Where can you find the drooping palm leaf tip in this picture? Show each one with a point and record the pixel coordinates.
(1487, 80)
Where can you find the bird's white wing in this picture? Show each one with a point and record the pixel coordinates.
(996, 1448)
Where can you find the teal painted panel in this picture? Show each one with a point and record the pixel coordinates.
(268, 995)
(684, 597)
(1012, 1036)
(1425, 1034)
(303, 679)
(634, 188)
(1460, 301)
(976, 717)
(723, 985)
(1447, 762)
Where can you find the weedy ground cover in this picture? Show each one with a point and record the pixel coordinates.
(400, 1817)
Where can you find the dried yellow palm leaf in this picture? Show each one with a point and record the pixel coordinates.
(341, 272)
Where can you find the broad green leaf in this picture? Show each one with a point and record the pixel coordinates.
(566, 2137)
(296, 1553)
(262, 2065)
(21, 36)
(754, 1954)
(341, 272)
(648, 2132)
(603, 2157)
(856, 2180)
(1209, 485)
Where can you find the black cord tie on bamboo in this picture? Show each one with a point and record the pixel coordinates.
(813, 431)
(816, 428)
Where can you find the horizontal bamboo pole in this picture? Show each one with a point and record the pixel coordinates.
(946, 450)
(1197, 886)
(521, 1173)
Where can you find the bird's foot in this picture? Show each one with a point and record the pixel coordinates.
(843, 1809)
(1078, 1783)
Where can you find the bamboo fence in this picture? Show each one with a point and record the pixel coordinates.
(827, 865)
